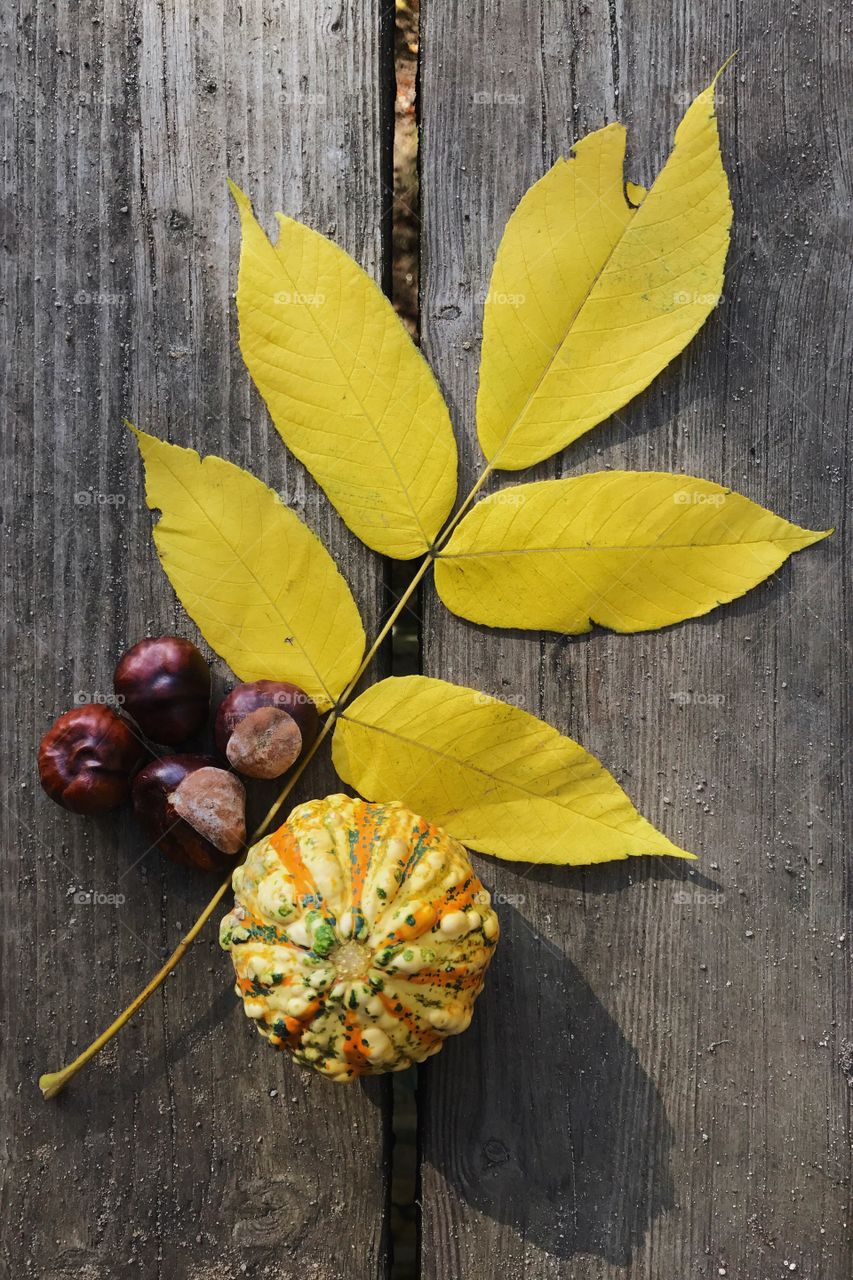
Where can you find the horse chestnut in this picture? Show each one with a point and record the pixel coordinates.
(164, 684)
(192, 809)
(87, 759)
(262, 727)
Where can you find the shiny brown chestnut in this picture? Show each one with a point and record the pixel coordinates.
(194, 810)
(87, 759)
(164, 684)
(264, 726)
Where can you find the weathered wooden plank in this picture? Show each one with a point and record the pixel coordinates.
(188, 1149)
(655, 1081)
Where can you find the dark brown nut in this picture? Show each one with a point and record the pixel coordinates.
(87, 759)
(194, 810)
(263, 727)
(164, 684)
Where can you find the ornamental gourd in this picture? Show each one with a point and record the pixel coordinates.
(360, 937)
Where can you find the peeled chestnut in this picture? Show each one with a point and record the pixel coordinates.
(87, 759)
(164, 684)
(192, 809)
(263, 727)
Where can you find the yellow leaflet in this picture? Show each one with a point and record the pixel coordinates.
(347, 389)
(591, 298)
(630, 550)
(263, 591)
(494, 776)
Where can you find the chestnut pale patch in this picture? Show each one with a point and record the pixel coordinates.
(265, 743)
(213, 802)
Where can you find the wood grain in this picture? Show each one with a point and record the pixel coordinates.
(187, 1150)
(657, 1080)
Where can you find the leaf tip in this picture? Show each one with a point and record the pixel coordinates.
(684, 854)
(591, 141)
(816, 535)
(707, 94)
(143, 439)
(241, 200)
(725, 66)
(666, 848)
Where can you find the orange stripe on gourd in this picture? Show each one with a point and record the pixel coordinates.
(296, 1027)
(423, 1035)
(354, 1055)
(251, 920)
(414, 925)
(284, 980)
(287, 847)
(423, 836)
(460, 897)
(425, 918)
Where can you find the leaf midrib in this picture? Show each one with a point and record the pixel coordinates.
(633, 546)
(536, 795)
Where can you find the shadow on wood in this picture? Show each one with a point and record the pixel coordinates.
(571, 1149)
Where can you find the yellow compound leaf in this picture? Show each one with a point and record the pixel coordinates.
(347, 389)
(591, 297)
(630, 550)
(492, 775)
(263, 591)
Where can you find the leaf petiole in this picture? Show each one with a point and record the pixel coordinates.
(53, 1082)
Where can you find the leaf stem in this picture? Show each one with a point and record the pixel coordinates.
(53, 1082)
(295, 776)
(454, 520)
